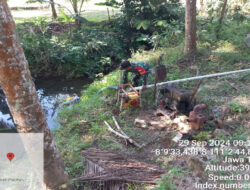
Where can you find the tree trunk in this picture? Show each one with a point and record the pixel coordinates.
(108, 14)
(223, 12)
(54, 15)
(201, 4)
(19, 89)
(75, 8)
(217, 29)
(190, 27)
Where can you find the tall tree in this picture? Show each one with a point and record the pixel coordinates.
(19, 89)
(221, 18)
(223, 11)
(190, 27)
(54, 14)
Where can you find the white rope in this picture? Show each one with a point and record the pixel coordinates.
(194, 78)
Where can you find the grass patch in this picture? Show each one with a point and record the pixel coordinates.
(99, 15)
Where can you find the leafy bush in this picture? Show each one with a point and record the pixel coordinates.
(167, 180)
(150, 24)
(96, 48)
(151, 14)
(74, 52)
(236, 107)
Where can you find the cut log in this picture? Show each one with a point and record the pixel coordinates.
(118, 126)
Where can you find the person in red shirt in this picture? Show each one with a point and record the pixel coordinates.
(139, 69)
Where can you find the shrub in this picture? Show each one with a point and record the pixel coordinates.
(73, 53)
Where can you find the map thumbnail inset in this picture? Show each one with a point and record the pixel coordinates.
(21, 161)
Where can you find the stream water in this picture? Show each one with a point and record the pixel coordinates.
(52, 93)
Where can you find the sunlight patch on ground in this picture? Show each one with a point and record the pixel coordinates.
(243, 100)
(226, 47)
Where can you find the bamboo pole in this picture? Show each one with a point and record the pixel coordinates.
(194, 78)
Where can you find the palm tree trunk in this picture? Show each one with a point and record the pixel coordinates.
(19, 89)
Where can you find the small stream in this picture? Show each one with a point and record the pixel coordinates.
(52, 93)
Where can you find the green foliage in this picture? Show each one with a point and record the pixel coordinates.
(161, 21)
(111, 3)
(65, 16)
(136, 186)
(77, 52)
(209, 21)
(229, 47)
(146, 12)
(240, 133)
(167, 180)
(236, 9)
(203, 136)
(236, 107)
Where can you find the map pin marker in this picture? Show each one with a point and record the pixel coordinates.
(10, 156)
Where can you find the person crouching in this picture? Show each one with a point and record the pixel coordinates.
(140, 70)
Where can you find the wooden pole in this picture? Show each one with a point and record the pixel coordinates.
(140, 95)
(108, 14)
(155, 84)
(118, 88)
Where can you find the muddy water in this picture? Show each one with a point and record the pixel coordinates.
(52, 93)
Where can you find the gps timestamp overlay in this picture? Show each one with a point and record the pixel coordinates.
(217, 164)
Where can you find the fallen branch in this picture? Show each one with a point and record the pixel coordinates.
(118, 126)
(122, 135)
(113, 131)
